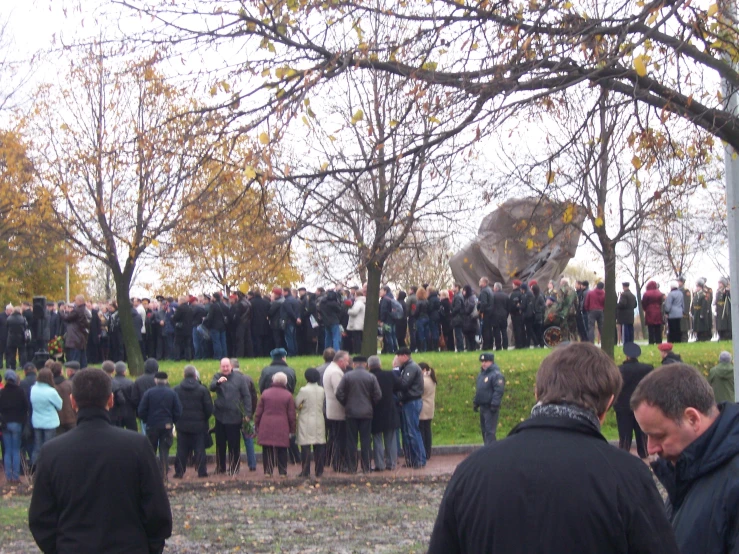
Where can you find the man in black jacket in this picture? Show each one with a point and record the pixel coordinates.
(698, 446)
(160, 409)
(215, 322)
(279, 364)
(4, 331)
(500, 317)
(260, 330)
(411, 394)
(231, 409)
(385, 418)
(142, 384)
(516, 308)
(625, 313)
(182, 320)
(485, 303)
(78, 503)
(555, 484)
(489, 392)
(192, 427)
(123, 413)
(290, 316)
(632, 372)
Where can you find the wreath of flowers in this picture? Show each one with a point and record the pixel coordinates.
(56, 347)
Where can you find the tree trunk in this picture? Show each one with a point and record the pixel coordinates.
(134, 356)
(609, 312)
(372, 310)
(642, 323)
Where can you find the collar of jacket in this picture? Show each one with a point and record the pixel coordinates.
(92, 414)
(555, 423)
(716, 446)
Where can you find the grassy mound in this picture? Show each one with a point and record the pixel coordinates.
(454, 421)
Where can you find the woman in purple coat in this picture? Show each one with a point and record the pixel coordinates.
(275, 422)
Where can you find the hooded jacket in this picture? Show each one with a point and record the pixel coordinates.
(721, 378)
(703, 488)
(652, 303)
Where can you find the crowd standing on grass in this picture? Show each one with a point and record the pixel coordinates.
(306, 323)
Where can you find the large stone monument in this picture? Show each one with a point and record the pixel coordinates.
(527, 238)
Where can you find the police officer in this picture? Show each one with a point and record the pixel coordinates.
(488, 396)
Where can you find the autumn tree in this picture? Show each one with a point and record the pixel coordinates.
(121, 151)
(235, 240)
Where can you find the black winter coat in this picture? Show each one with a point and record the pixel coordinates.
(554, 485)
(457, 310)
(142, 384)
(423, 310)
(217, 316)
(265, 378)
(197, 406)
(486, 302)
(385, 416)
(259, 316)
(97, 488)
(14, 404)
(16, 330)
(198, 314)
(703, 488)
(434, 307)
(625, 308)
(290, 310)
(122, 390)
(330, 311)
(160, 407)
(78, 327)
(500, 307)
(275, 308)
(632, 373)
(411, 381)
(182, 320)
(3, 330)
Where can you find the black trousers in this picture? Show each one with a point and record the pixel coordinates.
(627, 425)
(272, 455)
(10, 352)
(319, 453)
(228, 435)
(655, 334)
(182, 348)
(469, 341)
(336, 454)
(425, 426)
(361, 428)
(161, 440)
(356, 337)
(519, 331)
(674, 334)
(260, 345)
(187, 444)
(500, 334)
(487, 332)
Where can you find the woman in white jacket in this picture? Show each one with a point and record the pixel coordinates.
(311, 423)
(355, 327)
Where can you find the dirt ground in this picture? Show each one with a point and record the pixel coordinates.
(380, 512)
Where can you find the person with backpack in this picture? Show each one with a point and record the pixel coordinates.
(389, 312)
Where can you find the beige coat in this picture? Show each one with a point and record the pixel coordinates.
(429, 398)
(356, 315)
(309, 405)
(331, 379)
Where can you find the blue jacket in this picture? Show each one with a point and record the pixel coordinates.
(674, 304)
(703, 488)
(490, 388)
(46, 404)
(160, 407)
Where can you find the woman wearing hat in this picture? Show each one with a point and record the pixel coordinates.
(13, 414)
(311, 422)
(275, 422)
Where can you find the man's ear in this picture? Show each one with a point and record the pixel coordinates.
(602, 417)
(73, 403)
(111, 401)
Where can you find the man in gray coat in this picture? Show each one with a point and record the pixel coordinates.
(358, 392)
(488, 396)
(232, 409)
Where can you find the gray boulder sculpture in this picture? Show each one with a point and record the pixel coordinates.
(527, 238)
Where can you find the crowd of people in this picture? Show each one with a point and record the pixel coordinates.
(347, 401)
(305, 323)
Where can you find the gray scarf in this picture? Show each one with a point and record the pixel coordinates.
(569, 411)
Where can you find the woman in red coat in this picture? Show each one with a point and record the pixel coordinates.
(275, 422)
(652, 304)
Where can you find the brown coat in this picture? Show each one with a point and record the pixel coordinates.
(67, 416)
(78, 328)
(275, 417)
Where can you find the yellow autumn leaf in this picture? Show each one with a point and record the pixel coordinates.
(567, 5)
(250, 172)
(358, 116)
(599, 221)
(550, 177)
(652, 18)
(640, 65)
(712, 10)
(568, 214)
(532, 231)
(264, 138)
(393, 123)
(550, 232)
(435, 120)
(324, 166)
(529, 244)
(636, 162)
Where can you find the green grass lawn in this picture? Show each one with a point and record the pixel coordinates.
(454, 420)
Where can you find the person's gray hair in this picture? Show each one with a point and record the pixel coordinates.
(373, 362)
(564, 281)
(674, 285)
(9, 307)
(497, 286)
(234, 363)
(724, 357)
(340, 355)
(701, 282)
(279, 378)
(120, 368)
